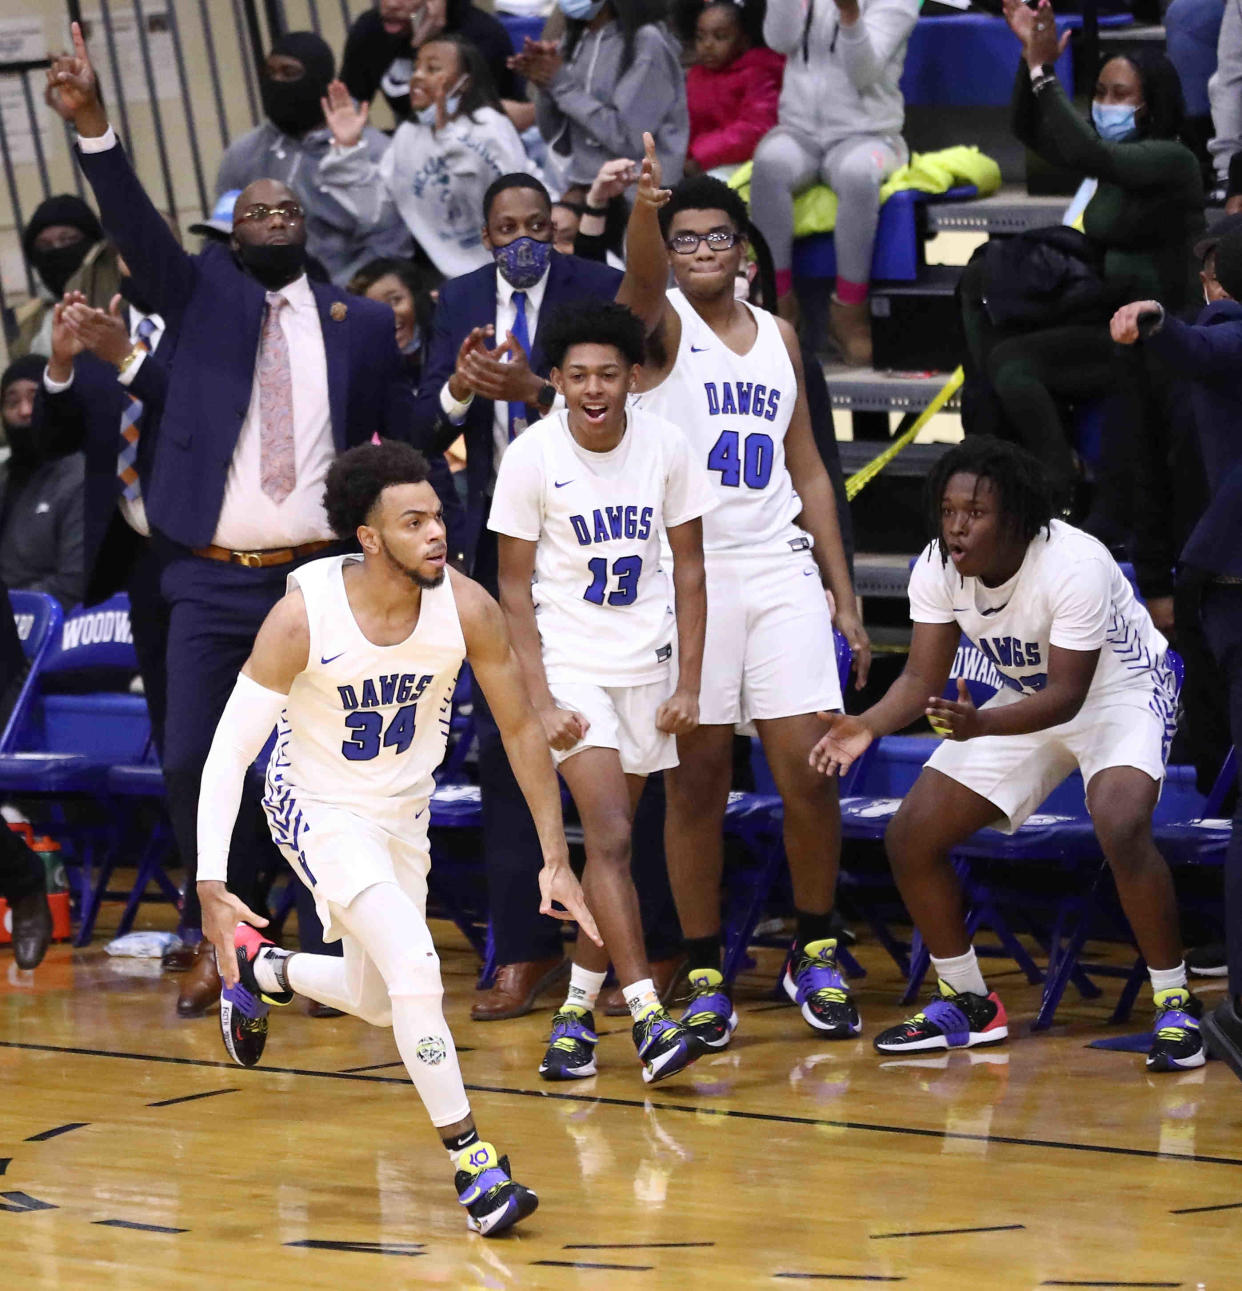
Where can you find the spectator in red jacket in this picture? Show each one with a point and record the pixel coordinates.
(732, 90)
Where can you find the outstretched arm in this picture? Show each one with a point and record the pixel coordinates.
(496, 669)
(155, 258)
(279, 654)
(646, 258)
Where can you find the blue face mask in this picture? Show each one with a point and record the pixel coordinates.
(427, 116)
(1115, 122)
(582, 10)
(523, 261)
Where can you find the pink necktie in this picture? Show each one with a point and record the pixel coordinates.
(277, 463)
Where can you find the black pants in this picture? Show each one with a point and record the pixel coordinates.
(1222, 624)
(21, 871)
(148, 620)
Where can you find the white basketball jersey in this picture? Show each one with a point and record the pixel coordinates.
(1068, 592)
(735, 410)
(365, 725)
(602, 598)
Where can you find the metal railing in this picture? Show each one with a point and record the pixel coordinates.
(180, 78)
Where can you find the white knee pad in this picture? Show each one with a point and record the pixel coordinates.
(417, 975)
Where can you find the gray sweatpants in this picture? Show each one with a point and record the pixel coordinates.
(787, 161)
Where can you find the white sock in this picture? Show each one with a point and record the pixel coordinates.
(641, 997)
(1167, 979)
(584, 986)
(269, 969)
(961, 972)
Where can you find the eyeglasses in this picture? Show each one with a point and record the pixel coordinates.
(686, 244)
(258, 213)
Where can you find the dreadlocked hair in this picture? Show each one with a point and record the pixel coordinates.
(1026, 501)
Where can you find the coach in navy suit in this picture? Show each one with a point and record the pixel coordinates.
(486, 376)
(272, 376)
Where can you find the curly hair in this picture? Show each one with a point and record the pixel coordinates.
(1026, 503)
(593, 323)
(705, 193)
(358, 477)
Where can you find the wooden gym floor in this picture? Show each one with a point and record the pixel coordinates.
(133, 1155)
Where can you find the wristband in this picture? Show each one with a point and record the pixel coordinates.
(588, 209)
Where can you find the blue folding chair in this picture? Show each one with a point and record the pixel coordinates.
(37, 618)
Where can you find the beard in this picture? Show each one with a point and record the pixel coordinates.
(421, 581)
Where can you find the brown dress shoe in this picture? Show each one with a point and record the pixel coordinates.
(849, 326)
(515, 988)
(32, 929)
(316, 1010)
(665, 974)
(200, 988)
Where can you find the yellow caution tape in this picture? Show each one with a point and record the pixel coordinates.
(860, 479)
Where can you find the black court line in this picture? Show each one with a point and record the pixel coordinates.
(694, 1109)
(138, 1228)
(190, 1098)
(361, 1248)
(1189, 1210)
(60, 1129)
(579, 1264)
(373, 1066)
(841, 1277)
(631, 1246)
(949, 1232)
(1112, 1284)
(15, 1202)
(4, 1163)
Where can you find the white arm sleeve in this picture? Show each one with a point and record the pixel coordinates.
(243, 729)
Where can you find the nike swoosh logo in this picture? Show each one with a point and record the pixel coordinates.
(997, 610)
(560, 484)
(699, 349)
(335, 656)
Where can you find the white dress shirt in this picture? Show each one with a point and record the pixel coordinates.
(132, 509)
(249, 519)
(506, 313)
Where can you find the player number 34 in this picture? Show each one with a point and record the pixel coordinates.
(369, 734)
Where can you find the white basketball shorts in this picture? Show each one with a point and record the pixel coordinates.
(769, 648)
(1130, 728)
(621, 718)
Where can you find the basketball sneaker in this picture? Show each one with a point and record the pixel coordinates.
(493, 1199)
(709, 1014)
(571, 1053)
(665, 1047)
(1176, 1044)
(953, 1020)
(244, 1007)
(814, 983)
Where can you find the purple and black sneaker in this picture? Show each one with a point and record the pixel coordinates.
(244, 1007)
(814, 983)
(709, 1014)
(1176, 1044)
(571, 1051)
(493, 1199)
(953, 1020)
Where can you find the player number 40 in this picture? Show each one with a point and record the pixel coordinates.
(369, 734)
(750, 461)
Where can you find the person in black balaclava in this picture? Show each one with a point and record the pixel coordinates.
(62, 233)
(41, 517)
(289, 146)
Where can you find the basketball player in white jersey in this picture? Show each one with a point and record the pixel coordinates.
(730, 377)
(581, 501)
(355, 668)
(1088, 684)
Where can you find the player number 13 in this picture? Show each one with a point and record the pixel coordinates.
(625, 569)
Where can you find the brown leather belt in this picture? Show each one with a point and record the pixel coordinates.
(262, 559)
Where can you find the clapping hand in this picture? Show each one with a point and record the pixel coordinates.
(613, 179)
(495, 376)
(846, 739)
(538, 61)
(954, 719)
(66, 346)
(1124, 327)
(345, 118)
(102, 331)
(1037, 30)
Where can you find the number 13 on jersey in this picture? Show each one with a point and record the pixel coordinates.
(625, 569)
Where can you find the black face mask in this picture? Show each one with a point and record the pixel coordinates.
(293, 107)
(23, 449)
(273, 264)
(132, 293)
(56, 265)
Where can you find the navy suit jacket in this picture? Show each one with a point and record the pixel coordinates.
(1208, 355)
(86, 419)
(468, 302)
(216, 309)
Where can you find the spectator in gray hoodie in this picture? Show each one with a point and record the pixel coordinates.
(841, 115)
(616, 74)
(291, 143)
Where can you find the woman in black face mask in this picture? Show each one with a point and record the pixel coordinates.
(289, 145)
